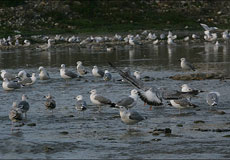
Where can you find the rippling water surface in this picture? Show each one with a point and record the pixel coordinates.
(68, 134)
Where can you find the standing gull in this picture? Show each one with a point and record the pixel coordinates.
(186, 65)
(24, 105)
(129, 101)
(187, 89)
(43, 75)
(81, 69)
(50, 102)
(137, 74)
(182, 103)
(212, 98)
(129, 117)
(10, 85)
(45, 46)
(99, 100)
(80, 104)
(97, 72)
(107, 76)
(7, 75)
(15, 114)
(67, 74)
(29, 80)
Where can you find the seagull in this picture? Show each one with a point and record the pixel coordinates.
(7, 75)
(129, 101)
(186, 65)
(170, 41)
(50, 102)
(81, 69)
(23, 105)
(129, 117)
(28, 81)
(182, 103)
(213, 98)
(23, 74)
(186, 38)
(45, 46)
(67, 74)
(99, 100)
(137, 75)
(15, 114)
(10, 85)
(26, 43)
(207, 28)
(225, 35)
(97, 72)
(43, 75)
(156, 42)
(107, 76)
(194, 36)
(80, 104)
(150, 94)
(186, 89)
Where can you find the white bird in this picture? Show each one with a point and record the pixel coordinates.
(99, 100)
(97, 72)
(170, 41)
(23, 75)
(80, 104)
(26, 43)
(182, 103)
(156, 42)
(213, 98)
(137, 74)
(7, 75)
(28, 81)
(194, 36)
(45, 46)
(187, 89)
(81, 69)
(162, 36)
(66, 74)
(107, 76)
(23, 105)
(10, 85)
(186, 38)
(129, 101)
(186, 65)
(129, 117)
(207, 28)
(225, 35)
(43, 75)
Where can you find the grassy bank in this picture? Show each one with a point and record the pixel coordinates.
(108, 16)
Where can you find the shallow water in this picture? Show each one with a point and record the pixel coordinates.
(68, 134)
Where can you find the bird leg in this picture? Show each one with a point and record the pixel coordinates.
(150, 108)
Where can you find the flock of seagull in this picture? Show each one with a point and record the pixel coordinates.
(209, 35)
(150, 95)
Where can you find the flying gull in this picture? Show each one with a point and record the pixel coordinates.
(148, 94)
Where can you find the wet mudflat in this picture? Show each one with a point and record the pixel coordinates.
(195, 133)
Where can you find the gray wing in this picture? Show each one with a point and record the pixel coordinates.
(174, 94)
(135, 82)
(155, 100)
(107, 77)
(70, 74)
(102, 99)
(100, 72)
(125, 102)
(9, 76)
(81, 105)
(135, 116)
(190, 66)
(13, 85)
(24, 106)
(205, 27)
(185, 103)
(25, 81)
